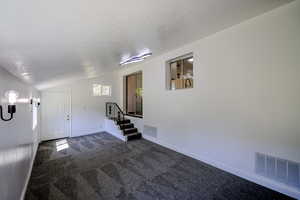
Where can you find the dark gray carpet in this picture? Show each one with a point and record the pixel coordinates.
(100, 166)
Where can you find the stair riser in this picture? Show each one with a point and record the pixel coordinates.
(123, 122)
(134, 137)
(134, 130)
(122, 127)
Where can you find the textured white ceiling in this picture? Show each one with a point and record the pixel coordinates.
(51, 42)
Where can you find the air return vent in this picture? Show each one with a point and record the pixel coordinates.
(280, 170)
(150, 131)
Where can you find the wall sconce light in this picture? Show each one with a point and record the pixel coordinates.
(35, 101)
(38, 102)
(12, 99)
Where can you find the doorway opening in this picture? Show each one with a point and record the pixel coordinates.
(133, 94)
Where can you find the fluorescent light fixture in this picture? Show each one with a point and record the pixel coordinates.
(146, 55)
(135, 59)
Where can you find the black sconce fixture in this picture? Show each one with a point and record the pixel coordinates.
(12, 99)
(11, 111)
(35, 101)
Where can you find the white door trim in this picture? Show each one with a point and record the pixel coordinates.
(69, 97)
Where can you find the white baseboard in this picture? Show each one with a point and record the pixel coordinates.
(35, 148)
(118, 135)
(248, 176)
(78, 133)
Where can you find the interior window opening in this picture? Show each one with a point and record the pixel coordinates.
(133, 98)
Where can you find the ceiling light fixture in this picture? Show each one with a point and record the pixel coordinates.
(135, 59)
(146, 55)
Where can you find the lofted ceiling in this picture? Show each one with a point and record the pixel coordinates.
(51, 42)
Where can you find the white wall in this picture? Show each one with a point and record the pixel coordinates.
(246, 97)
(87, 111)
(18, 141)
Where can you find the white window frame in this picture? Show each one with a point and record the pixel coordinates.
(168, 70)
(101, 90)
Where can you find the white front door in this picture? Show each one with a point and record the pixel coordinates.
(55, 115)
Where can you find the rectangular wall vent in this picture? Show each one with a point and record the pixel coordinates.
(293, 174)
(271, 166)
(150, 131)
(280, 170)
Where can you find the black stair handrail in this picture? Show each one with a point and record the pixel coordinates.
(114, 112)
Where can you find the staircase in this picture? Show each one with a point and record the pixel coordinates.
(114, 112)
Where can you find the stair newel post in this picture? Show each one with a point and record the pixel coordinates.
(114, 112)
(119, 116)
(106, 110)
(109, 110)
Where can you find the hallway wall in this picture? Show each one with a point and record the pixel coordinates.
(19, 139)
(245, 97)
(87, 111)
